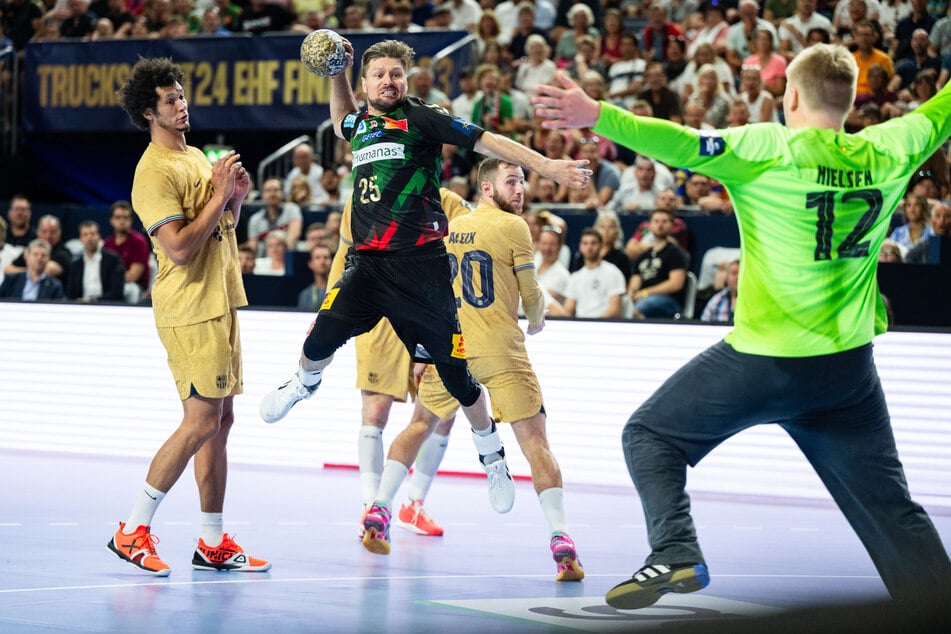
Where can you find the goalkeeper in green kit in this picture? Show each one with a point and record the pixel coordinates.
(813, 205)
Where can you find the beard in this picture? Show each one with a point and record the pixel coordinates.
(505, 205)
(386, 105)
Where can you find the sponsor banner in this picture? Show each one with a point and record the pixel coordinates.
(232, 83)
(378, 152)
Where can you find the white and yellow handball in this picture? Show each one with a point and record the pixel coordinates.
(322, 53)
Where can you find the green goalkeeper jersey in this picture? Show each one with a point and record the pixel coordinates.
(813, 206)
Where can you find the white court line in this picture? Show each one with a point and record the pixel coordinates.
(108, 586)
(747, 528)
(61, 524)
(7, 524)
(804, 529)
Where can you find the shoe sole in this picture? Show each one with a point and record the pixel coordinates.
(111, 545)
(227, 568)
(572, 570)
(375, 541)
(632, 596)
(415, 529)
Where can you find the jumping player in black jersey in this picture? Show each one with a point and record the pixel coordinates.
(397, 266)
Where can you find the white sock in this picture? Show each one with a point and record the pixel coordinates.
(370, 459)
(488, 443)
(394, 473)
(309, 378)
(427, 464)
(553, 506)
(144, 509)
(212, 528)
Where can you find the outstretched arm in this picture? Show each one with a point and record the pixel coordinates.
(570, 173)
(342, 101)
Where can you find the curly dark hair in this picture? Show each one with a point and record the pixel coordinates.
(138, 93)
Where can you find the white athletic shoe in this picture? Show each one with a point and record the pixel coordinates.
(278, 402)
(501, 486)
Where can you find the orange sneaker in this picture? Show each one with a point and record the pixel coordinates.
(226, 556)
(415, 519)
(139, 550)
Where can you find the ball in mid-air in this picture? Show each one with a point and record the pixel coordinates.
(322, 53)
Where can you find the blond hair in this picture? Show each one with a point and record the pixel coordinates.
(825, 75)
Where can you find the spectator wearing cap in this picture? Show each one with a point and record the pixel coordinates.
(714, 31)
(658, 32)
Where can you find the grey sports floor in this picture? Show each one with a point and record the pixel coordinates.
(771, 561)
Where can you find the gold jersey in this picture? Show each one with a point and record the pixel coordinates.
(489, 246)
(171, 185)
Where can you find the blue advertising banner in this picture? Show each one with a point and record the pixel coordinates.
(232, 83)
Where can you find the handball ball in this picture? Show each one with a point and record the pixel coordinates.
(322, 53)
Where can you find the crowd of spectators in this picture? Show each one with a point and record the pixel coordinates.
(707, 64)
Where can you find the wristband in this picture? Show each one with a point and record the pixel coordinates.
(645, 293)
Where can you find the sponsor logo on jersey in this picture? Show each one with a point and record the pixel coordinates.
(458, 347)
(329, 299)
(379, 152)
(362, 127)
(349, 120)
(371, 135)
(395, 124)
(711, 144)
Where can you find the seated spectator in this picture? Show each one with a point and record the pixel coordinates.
(586, 60)
(332, 227)
(312, 297)
(50, 230)
(536, 68)
(642, 238)
(117, 13)
(552, 274)
(741, 38)
(33, 283)
(276, 215)
(890, 252)
(397, 16)
(920, 60)
(246, 258)
(664, 102)
(276, 248)
(355, 18)
(302, 158)
(525, 28)
(660, 273)
(157, 14)
(794, 32)
(694, 114)
(332, 185)
(699, 195)
(661, 29)
(689, 78)
(713, 269)
(878, 93)
(555, 147)
(596, 289)
(709, 94)
(771, 64)
(79, 21)
(639, 187)
(261, 16)
(714, 31)
(468, 93)
(314, 235)
(537, 220)
(301, 193)
(917, 225)
(8, 252)
(605, 177)
(581, 19)
(493, 109)
(612, 241)
(739, 113)
(460, 185)
(132, 248)
(866, 54)
(20, 233)
(761, 105)
(97, 274)
(422, 85)
(230, 14)
(720, 307)
(626, 75)
(922, 252)
(211, 23)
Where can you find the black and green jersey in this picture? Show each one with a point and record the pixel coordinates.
(397, 162)
(813, 206)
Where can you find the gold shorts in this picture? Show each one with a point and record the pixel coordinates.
(383, 364)
(512, 385)
(205, 358)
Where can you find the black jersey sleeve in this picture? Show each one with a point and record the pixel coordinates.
(439, 123)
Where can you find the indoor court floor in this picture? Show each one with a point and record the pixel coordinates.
(769, 560)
